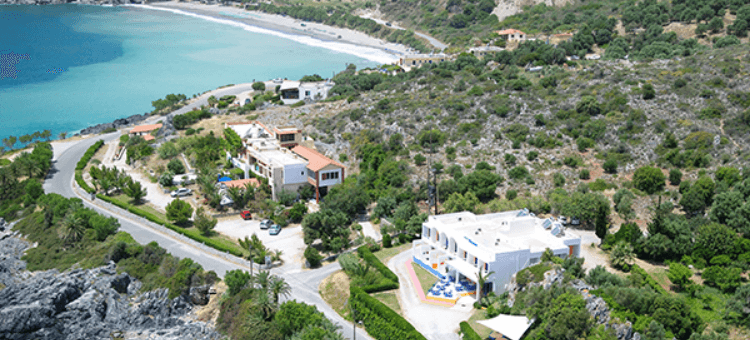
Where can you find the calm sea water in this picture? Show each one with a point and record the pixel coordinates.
(67, 67)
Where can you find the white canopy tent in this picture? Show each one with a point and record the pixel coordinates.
(511, 326)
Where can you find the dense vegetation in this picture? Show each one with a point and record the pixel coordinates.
(251, 310)
(21, 182)
(66, 233)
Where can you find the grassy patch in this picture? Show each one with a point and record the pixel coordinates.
(660, 275)
(483, 331)
(426, 279)
(335, 292)
(389, 299)
(386, 254)
(145, 207)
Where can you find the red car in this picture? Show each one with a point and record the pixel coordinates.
(246, 215)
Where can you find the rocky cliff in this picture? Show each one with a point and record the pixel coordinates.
(89, 304)
(596, 306)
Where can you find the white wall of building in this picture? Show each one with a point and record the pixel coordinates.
(295, 174)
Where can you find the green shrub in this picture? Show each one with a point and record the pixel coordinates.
(511, 194)
(584, 174)
(518, 172)
(468, 332)
(387, 241)
(313, 257)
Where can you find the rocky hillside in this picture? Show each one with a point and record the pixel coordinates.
(506, 8)
(96, 303)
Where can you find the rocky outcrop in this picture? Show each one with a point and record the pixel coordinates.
(596, 306)
(90, 304)
(117, 124)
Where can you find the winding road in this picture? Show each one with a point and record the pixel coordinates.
(304, 283)
(437, 43)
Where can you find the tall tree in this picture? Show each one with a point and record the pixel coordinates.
(135, 191)
(10, 141)
(46, 134)
(204, 223)
(179, 211)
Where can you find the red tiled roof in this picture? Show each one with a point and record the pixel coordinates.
(148, 137)
(146, 128)
(240, 183)
(509, 31)
(316, 160)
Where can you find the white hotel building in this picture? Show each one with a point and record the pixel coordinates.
(462, 244)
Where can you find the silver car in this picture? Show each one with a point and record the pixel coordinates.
(181, 192)
(265, 224)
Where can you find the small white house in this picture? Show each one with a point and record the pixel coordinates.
(294, 91)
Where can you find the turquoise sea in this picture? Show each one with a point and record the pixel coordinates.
(67, 67)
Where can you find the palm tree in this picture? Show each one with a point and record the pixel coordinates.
(279, 287)
(481, 279)
(238, 196)
(621, 255)
(72, 228)
(264, 303)
(262, 280)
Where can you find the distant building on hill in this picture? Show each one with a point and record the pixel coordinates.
(294, 91)
(556, 39)
(146, 130)
(512, 35)
(481, 51)
(460, 245)
(416, 60)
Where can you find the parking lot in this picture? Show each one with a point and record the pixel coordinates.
(290, 240)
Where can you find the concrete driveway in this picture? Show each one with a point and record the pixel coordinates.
(434, 322)
(290, 240)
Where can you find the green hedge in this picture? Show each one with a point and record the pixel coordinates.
(89, 153)
(194, 235)
(82, 164)
(381, 322)
(380, 286)
(365, 253)
(82, 183)
(468, 332)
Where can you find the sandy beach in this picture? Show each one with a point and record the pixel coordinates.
(334, 38)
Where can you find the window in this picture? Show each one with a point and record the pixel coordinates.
(287, 137)
(307, 93)
(475, 260)
(464, 255)
(486, 267)
(302, 173)
(330, 175)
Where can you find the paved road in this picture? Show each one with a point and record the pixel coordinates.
(432, 40)
(304, 283)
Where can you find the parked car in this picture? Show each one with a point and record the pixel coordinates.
(275, 229)
(575, 220)
(388, 24)
(265, 224)
(181, 192)
(246, 215)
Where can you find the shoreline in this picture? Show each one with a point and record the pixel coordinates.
(342, 40)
